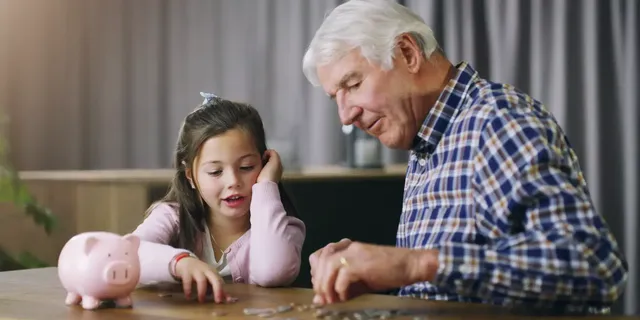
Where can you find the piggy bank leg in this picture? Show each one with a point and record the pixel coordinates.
(72, 298)
(124, 302)
(90, 302)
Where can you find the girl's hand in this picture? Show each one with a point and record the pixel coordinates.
(272, 170)
(191, 270)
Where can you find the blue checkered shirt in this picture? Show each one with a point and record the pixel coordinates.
(494, 185)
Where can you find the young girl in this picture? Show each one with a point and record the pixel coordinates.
(226, 215)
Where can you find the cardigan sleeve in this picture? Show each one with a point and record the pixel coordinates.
(276, 239)
(156, 232)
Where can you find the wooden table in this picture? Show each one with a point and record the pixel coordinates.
(37, 294)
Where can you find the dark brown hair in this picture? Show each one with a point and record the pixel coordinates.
(212, 118)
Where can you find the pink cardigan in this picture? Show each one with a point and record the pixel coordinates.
(267, 255)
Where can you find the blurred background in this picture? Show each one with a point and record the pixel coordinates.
(99, 85)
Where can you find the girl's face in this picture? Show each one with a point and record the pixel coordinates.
(225, 170)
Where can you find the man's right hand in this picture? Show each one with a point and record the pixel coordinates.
(326, 251)
(191, 270)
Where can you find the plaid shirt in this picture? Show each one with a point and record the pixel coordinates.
(494, 185)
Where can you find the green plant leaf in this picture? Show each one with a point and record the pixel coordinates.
(13, 190)
(41, 216)
(28, 260)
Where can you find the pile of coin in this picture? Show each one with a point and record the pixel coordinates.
(321, 313)
(267, 312)
(365, 314)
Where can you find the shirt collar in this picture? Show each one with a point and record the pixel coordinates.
(444, 110)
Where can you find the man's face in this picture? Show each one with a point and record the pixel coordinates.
(375, 100)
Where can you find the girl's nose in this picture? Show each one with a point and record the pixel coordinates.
(233, 180)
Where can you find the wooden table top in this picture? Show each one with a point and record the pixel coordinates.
(38, 294)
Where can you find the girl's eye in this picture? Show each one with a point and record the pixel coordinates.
(355, 86)
(247, 168)
(215, 173)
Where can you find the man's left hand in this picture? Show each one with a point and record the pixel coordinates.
(361, 268)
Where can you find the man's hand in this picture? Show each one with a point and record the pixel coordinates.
(322, 253)
(346, 269)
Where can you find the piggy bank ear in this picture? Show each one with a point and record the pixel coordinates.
(133, 239)
(89, 243)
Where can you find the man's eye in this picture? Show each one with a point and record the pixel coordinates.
(355, 86)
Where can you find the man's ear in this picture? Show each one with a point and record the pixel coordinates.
(410, 51)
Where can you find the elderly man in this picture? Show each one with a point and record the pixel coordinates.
(496, 208)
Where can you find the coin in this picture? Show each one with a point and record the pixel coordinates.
(232, 300)
(266, 314)
(320, 313)
(284, 308)
(256, 311)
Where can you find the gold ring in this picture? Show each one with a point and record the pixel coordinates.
(344, 262)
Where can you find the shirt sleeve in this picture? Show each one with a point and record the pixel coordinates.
(544, 242)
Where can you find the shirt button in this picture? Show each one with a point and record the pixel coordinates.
(422, 161)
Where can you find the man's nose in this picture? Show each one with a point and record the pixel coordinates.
(347, 110)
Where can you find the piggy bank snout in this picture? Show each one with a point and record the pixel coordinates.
(118, 273)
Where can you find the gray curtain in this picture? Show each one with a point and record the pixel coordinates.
(95, 84)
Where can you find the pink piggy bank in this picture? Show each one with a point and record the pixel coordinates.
(97, 266)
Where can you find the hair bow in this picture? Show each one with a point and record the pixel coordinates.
(208, 97)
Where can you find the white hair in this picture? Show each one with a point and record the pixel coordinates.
(369, 25)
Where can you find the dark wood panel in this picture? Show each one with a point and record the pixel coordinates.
(366, 209)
